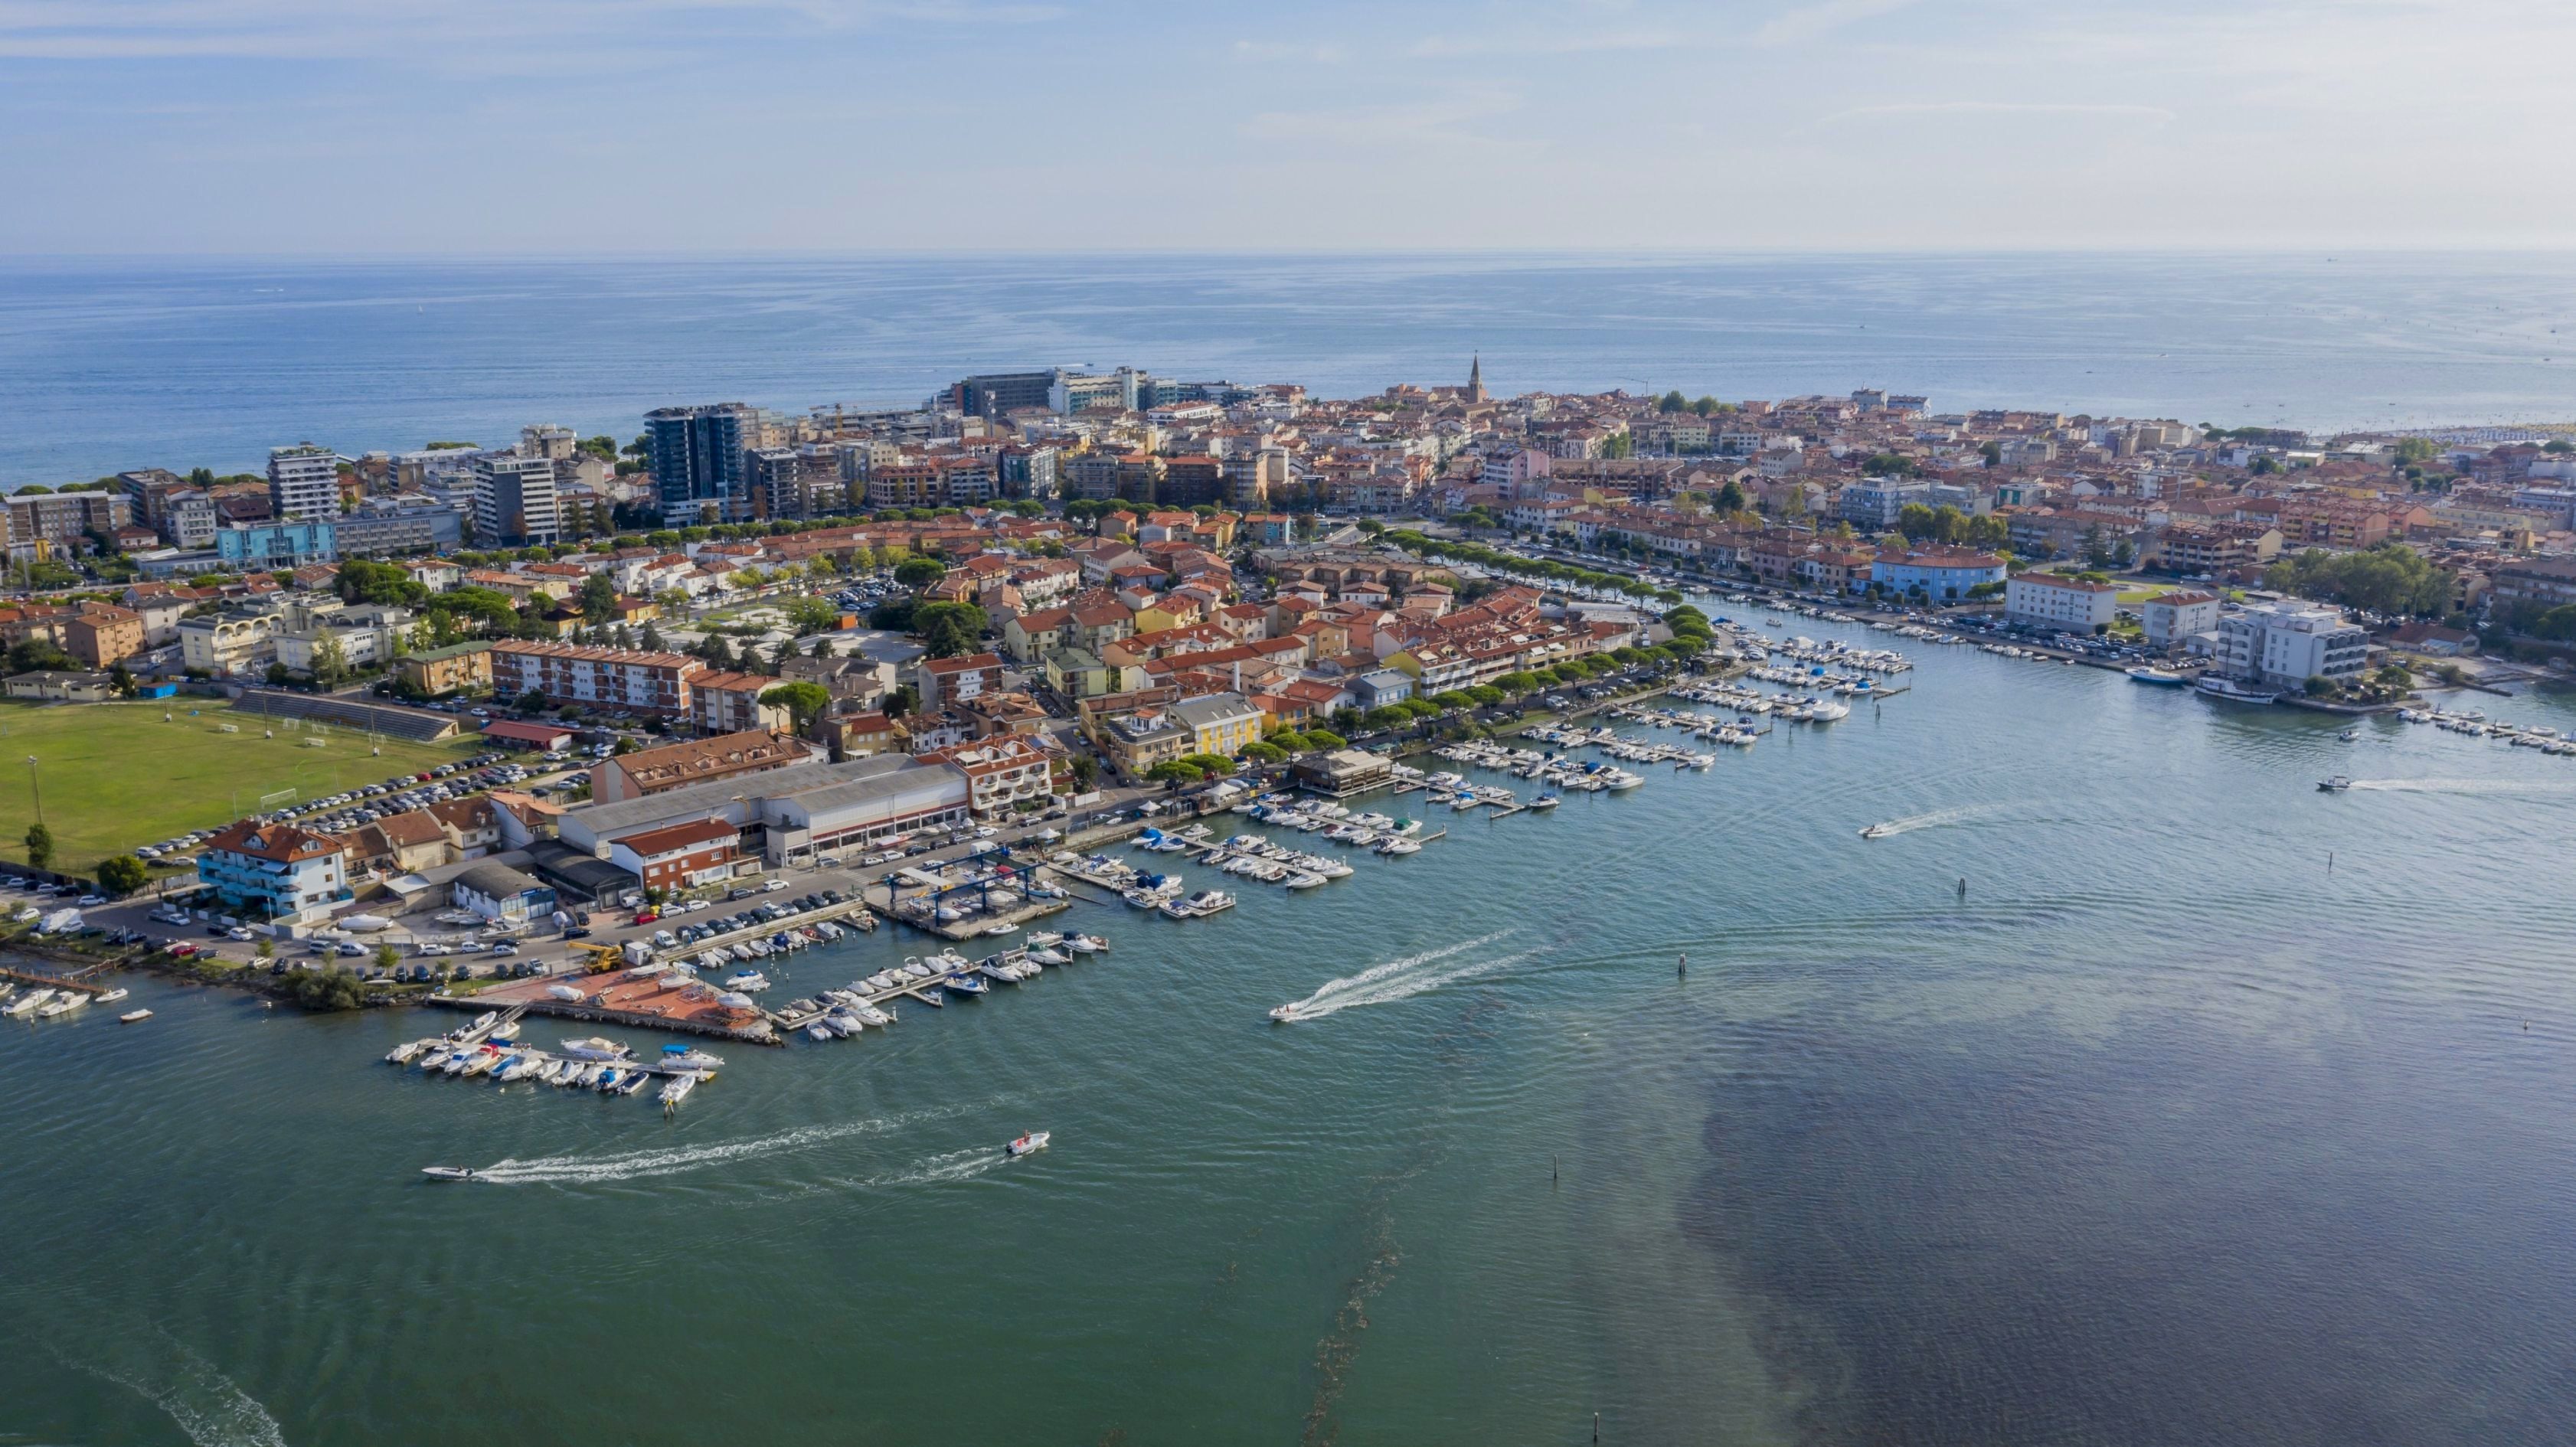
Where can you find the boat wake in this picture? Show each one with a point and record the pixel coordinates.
(672, 1161)
(962, 1165)
(1932, 820)
(207, 1405)
(2465, 786)
(1401, 979)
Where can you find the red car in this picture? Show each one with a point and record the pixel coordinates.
(647, 916)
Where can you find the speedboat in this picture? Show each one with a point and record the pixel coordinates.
(2149, 673)
(2348, 735)
(407, 1052)
(29, 1003)
(112, 996)
(1284, 1014)
(746, 981)
(819, 1032)
(449, 1173)
(967, 984)
(1085, 944)
(1874, 831)
(677, 1089)
(684, 1057)
(2333, 784)
(133, 1017)
(1035, 1140)
(1048, 957)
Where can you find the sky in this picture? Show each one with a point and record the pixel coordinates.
(674, 126)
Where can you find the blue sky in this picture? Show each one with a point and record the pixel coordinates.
(515, 126)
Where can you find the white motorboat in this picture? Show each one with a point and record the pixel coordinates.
(2333, 784)
(1874, 831)
(30, 1003)
(449, 1173)
(407, 1052)
(820, 1032)
(676, 1089)
(1033, 1141)
(133, 1017)
(684, 1057)
(63, 1005)
(1048, 957)
(1086, 944)
(1284, 1014)
(2149, 673)
(112, 996)
(596, 1047)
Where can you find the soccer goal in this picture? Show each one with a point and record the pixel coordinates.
(268, 802)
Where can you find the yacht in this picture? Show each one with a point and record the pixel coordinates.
(1035, 1140)
(684, 1057)
(30, 1003)
(967, 984)
(2149, 673)
(2229, 689)
(64, 1004)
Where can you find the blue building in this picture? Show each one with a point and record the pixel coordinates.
(697, 456)
(1943, 575)
(272, 545)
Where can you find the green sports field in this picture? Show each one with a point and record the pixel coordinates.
(115, 775)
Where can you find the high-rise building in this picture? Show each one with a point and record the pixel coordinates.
(546, 440)
(698, 458)
(998, 393)
(303, 482)
(514, 501)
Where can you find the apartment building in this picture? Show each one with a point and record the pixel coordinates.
(514, 501)
(2284, 644)
(2051, 600)
(303, 482)
(610, 678)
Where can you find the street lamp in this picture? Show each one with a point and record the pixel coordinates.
(36, 787)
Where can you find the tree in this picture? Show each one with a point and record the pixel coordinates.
(1731, 499)
(40, 845)
(1173, 774)
(652, 637)
(1671, 401)
(1993, 453)
(1086, 772)
(266, 949)
(805, 702)
(598, 599)
(330, 661)
(387, 957)
(1325, 739)
(919, 573)
(121, 874)
(949, 629)
(331, 989)
(903, 699)
(532, 701)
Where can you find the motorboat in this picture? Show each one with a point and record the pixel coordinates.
(450, 1173)
(1085, 944)
(2333, 784)
(686, 1057)
(1302, 880)
(133, 1017)
(1046, 956)
(1033, 1141)
(436, 1057)
(1876, 831)
(29, 1003)
(867, 1014)
(611, 1077)
(2349, 735)
(2216, 686)
(1284, 1014)
(407, 1052)
(633, 1081)
(64, 1004)
(112, 996)
(676, 1089)
(819, 1032)
(596, 1047)
(967, 984)
(746, 981)
(2149, 673)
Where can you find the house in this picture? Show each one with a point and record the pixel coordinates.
(729, 703)
(438, 672)
(102, 634)
(473, 826)
(2429, 639)
(63, 686)
(863, 734)
(404, 843)
(513, 734)
(1379, 687)
(682, 856)
(273, 871)
(502, 894)
(1004, 774)
(1941, 574)
(1078, 673)
(944, 681)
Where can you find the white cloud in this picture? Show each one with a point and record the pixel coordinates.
(1430, 122)
(2156, 114)
(1279, 50)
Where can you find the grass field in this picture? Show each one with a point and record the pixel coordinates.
(115, 776)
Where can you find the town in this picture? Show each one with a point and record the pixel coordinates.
(638, 674)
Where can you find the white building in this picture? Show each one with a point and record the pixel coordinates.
(2173, 619)
(2284, 644)
(2053, 600)
(514, 501)
(235, 641)
(303, 482)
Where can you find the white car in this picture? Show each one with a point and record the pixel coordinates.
(88, 900)
(697, 906)
(773, 886)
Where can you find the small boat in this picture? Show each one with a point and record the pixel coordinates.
(820, 1032)
(967, 984)
(1085, 944)
(29, 1003)
(1035, 1140)
(1874, 831)
(112, 996)
(2333, 784)
(596, 1047)
(133, 1017)
(684, 1057)
(634, 1082)
(1284, 1014)
(2148, 673)
(2348, 735)
(677, 1089)
(449, 1173)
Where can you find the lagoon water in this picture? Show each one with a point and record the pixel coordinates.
(2167, 1134)
(109, 365)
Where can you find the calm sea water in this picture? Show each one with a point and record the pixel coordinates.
(2167, 1134)
(111, 365)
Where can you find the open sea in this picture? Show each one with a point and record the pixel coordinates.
(107, 365)
(2219, 1110)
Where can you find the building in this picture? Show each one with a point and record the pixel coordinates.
(502, 894)
(237, 640)
(2173, 619)
(511, 733)
(1943, 575)
(729, 703)
(697, 455)
(1381, 686)
(2068, 604)
(694, 761)
(65, 522)
(682, 856)
(438, 672)
(271, 546)
(303, 482)
(514, 501)
(944, 681)
(102, 635)
(275, 871)
(1005, 774)
(2284, 644)
(792, 812)
(59, 685)
(2538, 583)
(619, 679)
(1343, 772)
(383, 526)
(1873, 503)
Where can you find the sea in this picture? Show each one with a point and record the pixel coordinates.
(2129, 1090)
(113, 364)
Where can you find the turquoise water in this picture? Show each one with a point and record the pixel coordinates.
(2166, 1134)
(115, 364)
